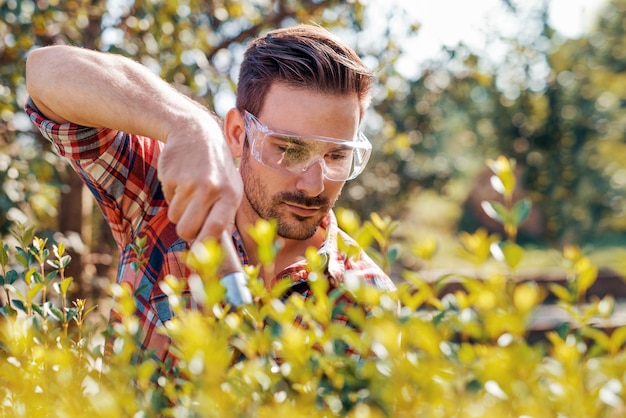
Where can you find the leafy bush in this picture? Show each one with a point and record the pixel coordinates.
(417, 351)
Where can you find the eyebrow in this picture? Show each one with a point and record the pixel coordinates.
(289, 138)
(343, 148)
(301, 140)
(294, 138)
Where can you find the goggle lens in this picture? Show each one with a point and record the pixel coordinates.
(341, 159)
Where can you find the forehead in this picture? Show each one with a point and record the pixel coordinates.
(307, 112)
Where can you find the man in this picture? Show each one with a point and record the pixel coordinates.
(159, 166)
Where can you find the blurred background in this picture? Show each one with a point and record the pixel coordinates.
(543, 82)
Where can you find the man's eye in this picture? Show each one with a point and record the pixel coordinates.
(289, 149)
(292, 151)
(338, 156)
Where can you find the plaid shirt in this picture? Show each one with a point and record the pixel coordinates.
(120, 170)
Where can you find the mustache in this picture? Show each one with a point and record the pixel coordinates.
(303, 200)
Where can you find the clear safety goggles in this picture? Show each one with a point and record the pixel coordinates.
(341, 159)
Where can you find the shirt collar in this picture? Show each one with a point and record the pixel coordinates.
(329, 249)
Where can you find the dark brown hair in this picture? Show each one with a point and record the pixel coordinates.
(303, 56)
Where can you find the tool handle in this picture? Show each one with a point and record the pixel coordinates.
(232, 275)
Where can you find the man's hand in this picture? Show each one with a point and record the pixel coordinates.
(200, 180)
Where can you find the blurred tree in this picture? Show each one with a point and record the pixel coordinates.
(561, 134)
(557, 106)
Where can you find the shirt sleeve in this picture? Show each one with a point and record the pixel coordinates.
(119, 169)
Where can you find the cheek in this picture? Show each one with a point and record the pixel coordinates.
(254, 173)
(333, 189)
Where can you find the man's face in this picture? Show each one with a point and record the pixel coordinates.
(297, 201)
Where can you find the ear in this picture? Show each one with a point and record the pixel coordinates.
(234, 132)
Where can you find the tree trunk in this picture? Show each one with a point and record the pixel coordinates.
(71, 224)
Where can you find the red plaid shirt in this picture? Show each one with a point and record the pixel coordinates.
(120, 170)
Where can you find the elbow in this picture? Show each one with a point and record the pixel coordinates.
(43, 63)
(43, 69)
(35, 64)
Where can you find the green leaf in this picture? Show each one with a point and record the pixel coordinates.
(140, 242)
(71, 314)
(598, 336)
(279, 289)
(392, 254)
(65, 285)
(520, 211)
(19, 305)
(561, 292)
(4, 254)
(496, 211)
(375, 232)
(11, 276)
(364, 237)
(28, 234)
(50, 276)
(563, 330)
(618, 338)
(7, 310)
(60, 249)
(37, 309)
(348, 220)
(65, 261)
(22, 234)
(39, 253)
(54, 264)
(58, 314)
(22, 258)
(379, 222)
(513, 254)
(88, 311)
(28, 275)
(587, 277)
(37, 277)
(33, 291)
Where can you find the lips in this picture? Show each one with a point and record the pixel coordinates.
(303, 211)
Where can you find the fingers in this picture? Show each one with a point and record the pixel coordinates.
(203, 188)
(222, 214)
(202, 215)
(168, 192)
(179, 202)
(187, 214)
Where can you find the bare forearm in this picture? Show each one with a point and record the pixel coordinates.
(90, 88)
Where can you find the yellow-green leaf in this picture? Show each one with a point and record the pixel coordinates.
(513, 254)
(561, 292)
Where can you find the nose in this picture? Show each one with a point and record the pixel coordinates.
(311, 180)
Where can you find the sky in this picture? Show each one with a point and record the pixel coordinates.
(447, 22)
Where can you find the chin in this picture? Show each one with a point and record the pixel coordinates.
(297, 230)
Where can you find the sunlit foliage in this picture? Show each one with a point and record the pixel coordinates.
(417, 351)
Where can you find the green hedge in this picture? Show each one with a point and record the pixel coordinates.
(415, 352)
